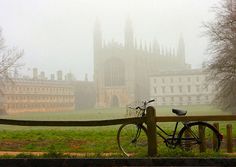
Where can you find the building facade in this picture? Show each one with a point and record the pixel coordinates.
(187, 87)
(85, 96)
(33, 95)
(121, 71)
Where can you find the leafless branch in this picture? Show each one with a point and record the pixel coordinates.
(222, 49)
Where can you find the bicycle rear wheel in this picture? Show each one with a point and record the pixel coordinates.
(132, 139)
(199, 136)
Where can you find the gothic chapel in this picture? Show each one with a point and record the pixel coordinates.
(121, 71)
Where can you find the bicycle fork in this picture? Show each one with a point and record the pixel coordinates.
(136, 135)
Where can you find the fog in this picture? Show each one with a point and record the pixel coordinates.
(58, 34)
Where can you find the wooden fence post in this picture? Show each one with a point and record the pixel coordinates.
(151, 131)
(216, 125)
(229, 138)
(202, 147)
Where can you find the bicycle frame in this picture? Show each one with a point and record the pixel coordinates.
(168, 138)
(171, 139)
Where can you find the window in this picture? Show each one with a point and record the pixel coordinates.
(163, 80)
(189, 88)
(189, 98)
(180, 79)
(171, 89)
(197, 79)
(114, 70)
(154, 80)
(163, 99)
(180, 89)
(197, 88)
(155, 90)
(198, 98)
(163, 89)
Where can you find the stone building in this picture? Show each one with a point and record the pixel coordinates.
(121, 71)
(187, 87)
(85, 96)
(36, 95)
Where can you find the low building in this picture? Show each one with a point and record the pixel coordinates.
(187, 87)
(34, 95)
(85, 94)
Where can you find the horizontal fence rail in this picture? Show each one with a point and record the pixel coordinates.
(196, 118)
(72, 123)
(117, 121)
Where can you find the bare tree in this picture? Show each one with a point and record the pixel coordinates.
(8, 61)
(8, 57)
(222, 48)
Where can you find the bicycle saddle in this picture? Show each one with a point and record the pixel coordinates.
(179, 112)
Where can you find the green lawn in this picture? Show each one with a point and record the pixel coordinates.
(83, 139)
(112, 113)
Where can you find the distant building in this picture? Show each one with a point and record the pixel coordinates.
(121, 71)
(36, 95)
(85, 94)
(187, 87)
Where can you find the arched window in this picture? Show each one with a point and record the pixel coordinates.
(114, 72)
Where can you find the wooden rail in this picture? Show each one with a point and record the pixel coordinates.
(196, 118)
(117, 121)
(150, 120)
(72, 123)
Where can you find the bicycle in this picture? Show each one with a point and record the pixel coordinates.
(132, 138)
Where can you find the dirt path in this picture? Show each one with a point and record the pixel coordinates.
(14, 153)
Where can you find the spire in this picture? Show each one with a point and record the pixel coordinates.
(145, 46)
(135, 44)
(181, 49)
(169, 52)
(129, 35)
(162, 51)
(150, 47)
(156, 47)
(173, 51)
(166, 51)
(86, 77)
(97, 35)
(141, 45)
(103, 43)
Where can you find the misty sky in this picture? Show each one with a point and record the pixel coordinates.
(58, 34)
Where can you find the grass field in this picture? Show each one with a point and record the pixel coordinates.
(85, 140)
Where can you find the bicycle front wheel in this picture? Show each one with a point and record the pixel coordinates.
(199, 136)
(132, 139)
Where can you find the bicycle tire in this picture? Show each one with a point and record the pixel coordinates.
(189, 137)
(132, 139)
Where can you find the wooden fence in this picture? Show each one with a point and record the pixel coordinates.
(150, 120)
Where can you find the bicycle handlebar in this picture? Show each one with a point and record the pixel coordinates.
(144, 104)
(151, 101)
